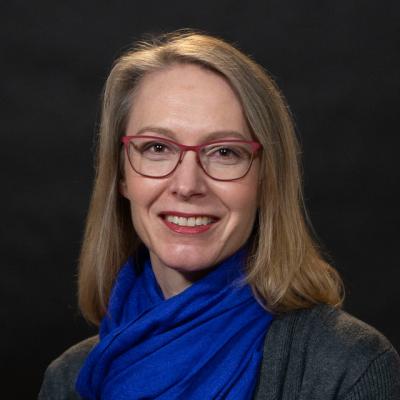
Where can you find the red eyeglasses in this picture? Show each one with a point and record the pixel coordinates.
(222, 160)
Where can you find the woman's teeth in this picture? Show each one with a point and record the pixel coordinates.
(191, 221)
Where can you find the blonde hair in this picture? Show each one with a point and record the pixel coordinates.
(284, 266)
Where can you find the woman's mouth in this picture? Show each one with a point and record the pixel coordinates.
(191, 221)
(188, 224)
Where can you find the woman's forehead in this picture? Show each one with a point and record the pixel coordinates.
(186, 99)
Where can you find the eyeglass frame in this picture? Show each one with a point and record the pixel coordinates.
(255, 146)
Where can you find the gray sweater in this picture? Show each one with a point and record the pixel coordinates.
(321, 353)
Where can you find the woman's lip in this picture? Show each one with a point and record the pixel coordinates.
(187, 229)
(187, 215)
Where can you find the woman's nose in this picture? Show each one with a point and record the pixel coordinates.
(188, 180)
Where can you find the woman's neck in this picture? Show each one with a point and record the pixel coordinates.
(172, 281)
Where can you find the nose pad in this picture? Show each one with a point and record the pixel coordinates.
(195, 154)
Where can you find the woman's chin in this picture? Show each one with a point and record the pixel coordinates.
(188, 261)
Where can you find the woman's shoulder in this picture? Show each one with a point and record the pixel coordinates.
(326, 350)
(60, 376)
(325, 325)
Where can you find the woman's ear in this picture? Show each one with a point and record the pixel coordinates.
(123, 188)
(260, 188)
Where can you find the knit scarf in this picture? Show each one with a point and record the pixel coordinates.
(204, 343)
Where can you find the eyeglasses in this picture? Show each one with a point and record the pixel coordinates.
(156, 157)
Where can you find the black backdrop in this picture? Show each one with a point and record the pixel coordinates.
(336, 61)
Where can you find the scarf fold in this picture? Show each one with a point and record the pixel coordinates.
(204, 343)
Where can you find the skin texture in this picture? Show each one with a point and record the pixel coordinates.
(190, 105)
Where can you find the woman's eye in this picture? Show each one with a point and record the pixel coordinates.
(158, 147)
(223, 152)
(155, 147)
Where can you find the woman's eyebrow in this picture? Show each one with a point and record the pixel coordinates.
(216, 135)
(225, 135)
(155, 129)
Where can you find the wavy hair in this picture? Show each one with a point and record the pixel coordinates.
(285, 268)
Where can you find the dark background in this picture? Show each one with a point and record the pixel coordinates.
(337, 63)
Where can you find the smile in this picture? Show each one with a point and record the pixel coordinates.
(191, 224)
(191, 221)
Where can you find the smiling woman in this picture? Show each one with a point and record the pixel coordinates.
(197, 262)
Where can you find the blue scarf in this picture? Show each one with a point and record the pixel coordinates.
(204, 343)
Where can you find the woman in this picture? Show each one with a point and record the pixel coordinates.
(197, 262)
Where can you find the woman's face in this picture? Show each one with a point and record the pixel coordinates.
(191, 106)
